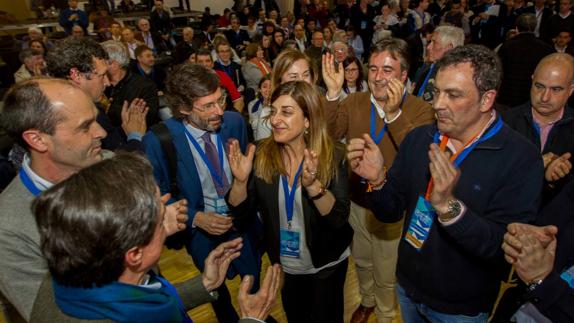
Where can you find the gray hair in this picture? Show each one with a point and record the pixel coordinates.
(450, 35)
(117, 52)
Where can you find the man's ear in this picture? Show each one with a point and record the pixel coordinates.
(487, 100)
(133, 257)
(36, 139)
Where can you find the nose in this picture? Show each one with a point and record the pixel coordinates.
(546, 95)
(380, 75)
(98, 132)
(438, 101)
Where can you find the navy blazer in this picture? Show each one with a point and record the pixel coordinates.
(199, 242)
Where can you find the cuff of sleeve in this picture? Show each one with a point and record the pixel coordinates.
(548, 293)
(134, 135)
(336, 98)
(395, 118)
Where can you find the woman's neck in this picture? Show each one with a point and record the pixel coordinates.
(293, 154)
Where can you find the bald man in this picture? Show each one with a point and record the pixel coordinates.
(547, 121)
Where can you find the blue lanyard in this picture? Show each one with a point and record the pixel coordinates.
(376, 137)
(536, 127)
(256, 106)
(424, 85)
(290, 194)
(463, 154)
(214, 175)
(27, 181)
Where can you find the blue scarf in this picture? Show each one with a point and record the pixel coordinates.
(123, 302)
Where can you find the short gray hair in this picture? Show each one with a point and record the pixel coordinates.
(450, 35)
(117, 52)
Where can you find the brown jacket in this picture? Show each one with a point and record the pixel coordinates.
(351, 117)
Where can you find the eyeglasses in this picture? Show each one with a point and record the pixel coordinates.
(221, 102)
(351, 70)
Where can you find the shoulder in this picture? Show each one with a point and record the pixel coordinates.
(232, 119)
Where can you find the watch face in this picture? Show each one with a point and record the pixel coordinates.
(454, 208)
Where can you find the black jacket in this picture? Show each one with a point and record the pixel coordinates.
(519, 57)
(459, 268)
(560, 139)
(130, 87)
(327, 236)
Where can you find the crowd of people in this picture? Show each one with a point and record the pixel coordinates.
(431, 143)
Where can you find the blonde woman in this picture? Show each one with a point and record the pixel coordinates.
(299, 185)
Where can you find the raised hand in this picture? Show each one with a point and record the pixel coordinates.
(175, 218)
(444, 175)
(395, 89)
(332, 77)
(366, 159)
(239, 163)
(134, 116)
(558, 168)
(513, 247)
(310, 166)
(259, 305)
(218, 261)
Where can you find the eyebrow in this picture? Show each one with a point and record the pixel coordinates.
(86, 124)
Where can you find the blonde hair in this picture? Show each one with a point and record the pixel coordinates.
(268, 160)
(284, 61)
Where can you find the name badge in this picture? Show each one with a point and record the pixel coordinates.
(568, 276)
(364, 24)
(290, 243)
(218, 206)
(421, 223)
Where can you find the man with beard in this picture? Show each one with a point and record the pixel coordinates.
(199, 128)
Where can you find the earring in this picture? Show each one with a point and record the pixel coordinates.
(306, 131)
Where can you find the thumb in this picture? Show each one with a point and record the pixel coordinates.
(250, 151)
(552, 247)
(165, 198)
(369, 141)
(551, 229)
(245, 286)
(566, 156)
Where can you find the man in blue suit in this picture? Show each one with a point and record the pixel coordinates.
(199, 130)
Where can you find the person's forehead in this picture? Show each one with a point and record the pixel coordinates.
(384, 58)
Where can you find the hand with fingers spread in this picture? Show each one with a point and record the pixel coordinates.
(333, 77)
(218, 261)
(175, 218)
(534, 262)
(395, 89)
(444, 175)
(213, 223)
(513, 247)
(310, 168)
(239, 163)
(134, 116)
(558, 168)
(259, 305)
(366, 159)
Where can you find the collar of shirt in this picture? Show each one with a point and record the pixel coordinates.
(195, 132)
(453, 150)
(38, 181)
(548, 123)
(380, 110)
(560, 50)
(565, 16)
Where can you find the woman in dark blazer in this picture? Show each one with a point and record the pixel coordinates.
(299, 185)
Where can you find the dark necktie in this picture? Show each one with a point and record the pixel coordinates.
(212, 156)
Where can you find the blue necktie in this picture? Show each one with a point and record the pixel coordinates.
(211, 154)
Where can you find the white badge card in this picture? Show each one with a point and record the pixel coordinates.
(421, 223)
(290, 243)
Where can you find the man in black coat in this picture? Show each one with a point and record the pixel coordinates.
(519, 56)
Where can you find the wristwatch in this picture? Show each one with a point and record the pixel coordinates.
(454, 209)
(322, 193)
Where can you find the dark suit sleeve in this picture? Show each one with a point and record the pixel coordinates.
(554, 298)
(192, 293)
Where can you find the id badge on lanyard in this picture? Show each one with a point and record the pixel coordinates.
(290, 239)
(424, 214)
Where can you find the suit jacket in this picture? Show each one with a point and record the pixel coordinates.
(45, 310)
(158, 42)
(327, 236)
(544, 24)
(236, 39)
(198, 242)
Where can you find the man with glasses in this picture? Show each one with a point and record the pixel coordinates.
(392, 113)
(199, 129)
